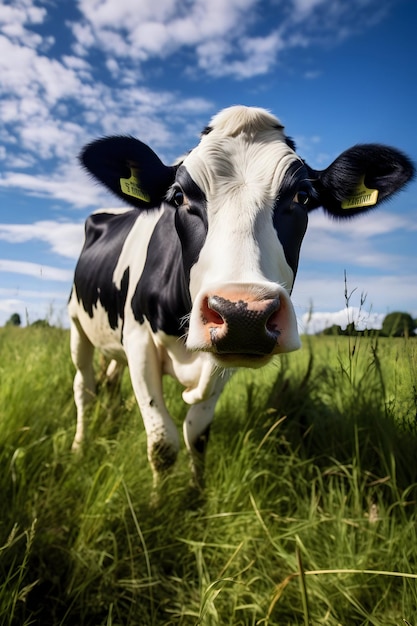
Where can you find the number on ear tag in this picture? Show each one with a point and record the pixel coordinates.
(131, 187)
(362, 197)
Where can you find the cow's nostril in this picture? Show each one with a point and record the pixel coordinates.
(215, 318)
(272, 323)
(209, 312)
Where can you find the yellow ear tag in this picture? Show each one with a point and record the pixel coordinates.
(131, 187)
(362, 197)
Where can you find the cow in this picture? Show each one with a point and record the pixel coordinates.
(194, 278)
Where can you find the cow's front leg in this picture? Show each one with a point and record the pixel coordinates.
(82, 352)
(146, 375)
(196, 429)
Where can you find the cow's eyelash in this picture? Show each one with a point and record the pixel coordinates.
(176, 196)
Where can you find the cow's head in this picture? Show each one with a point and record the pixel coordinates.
(242, 198)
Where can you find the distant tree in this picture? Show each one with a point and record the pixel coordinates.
(398, 324)
(333, 330)
(350, 330)
(41, 323)
(14, 320)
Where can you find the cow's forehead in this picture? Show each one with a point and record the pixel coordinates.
(236, 119)
(241, 147)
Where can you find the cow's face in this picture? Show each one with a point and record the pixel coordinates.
(241, 200)
(252, 198)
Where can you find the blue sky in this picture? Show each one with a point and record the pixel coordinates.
(336, 73)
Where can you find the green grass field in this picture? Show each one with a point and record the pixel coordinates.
(309, 514)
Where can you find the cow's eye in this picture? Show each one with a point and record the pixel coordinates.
(302, 198)
(178, 197)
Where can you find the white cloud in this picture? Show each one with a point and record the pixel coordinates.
(64, 238)
(312, 323)
(84, 38)
(255, 56)
(28, 74)
(76, 63)
(355, 242)
(327, 22)
(381, 294)
(363, 226)
(14, 18)
(159, 28)
(9, 305)
(219, 33)
(120, 14)
(78, 190)
(18, 295)
(37, 270)
(304, 7)
(51, 139)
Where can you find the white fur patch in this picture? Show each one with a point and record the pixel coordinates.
(240, 165)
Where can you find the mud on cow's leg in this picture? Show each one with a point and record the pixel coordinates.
(162, 455)
(163, 441)
(162, 435)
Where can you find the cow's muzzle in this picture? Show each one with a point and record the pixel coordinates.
(243, 325)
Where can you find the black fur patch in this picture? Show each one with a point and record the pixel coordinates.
(105, 234)
(162, 294)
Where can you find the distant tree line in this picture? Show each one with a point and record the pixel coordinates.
(396, 324)
(15, 320)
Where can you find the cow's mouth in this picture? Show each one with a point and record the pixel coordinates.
(242, 360)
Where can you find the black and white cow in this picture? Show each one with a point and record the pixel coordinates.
(197, 277)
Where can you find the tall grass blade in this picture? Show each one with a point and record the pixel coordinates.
(303, 586)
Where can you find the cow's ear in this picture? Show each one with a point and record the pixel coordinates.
(361, 178)
(130, 169)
